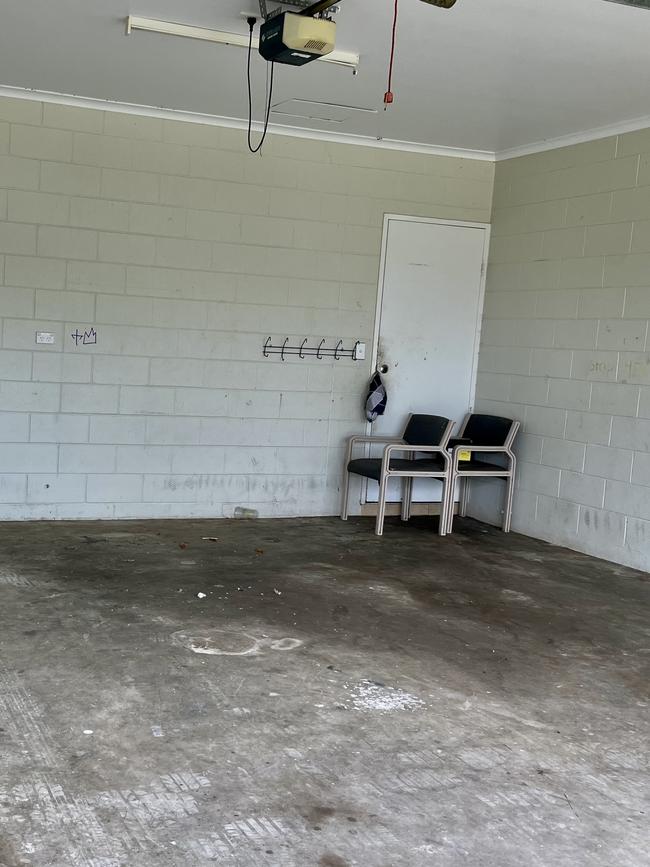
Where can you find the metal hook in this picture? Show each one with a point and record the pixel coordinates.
(284, 345)
(302, 346)
(320, 346)
(266, 346)
(336, 351)
(354, 351)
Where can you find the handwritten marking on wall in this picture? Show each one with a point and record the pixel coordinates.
(84, 338)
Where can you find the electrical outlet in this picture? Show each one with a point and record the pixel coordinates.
(44, 337)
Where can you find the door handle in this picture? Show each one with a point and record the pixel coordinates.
(382, 368)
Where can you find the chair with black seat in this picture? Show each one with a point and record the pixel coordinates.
(492, 436)
(424, 434)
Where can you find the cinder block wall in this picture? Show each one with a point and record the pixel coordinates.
(185, 253)
(565, 344)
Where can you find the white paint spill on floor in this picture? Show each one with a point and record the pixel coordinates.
(374, 696)
(241, 711)
(224, 642)
(285, 644)
(207, 647)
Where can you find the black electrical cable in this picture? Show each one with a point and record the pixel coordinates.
(254, 150)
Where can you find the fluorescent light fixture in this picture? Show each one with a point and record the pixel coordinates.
(153, 25)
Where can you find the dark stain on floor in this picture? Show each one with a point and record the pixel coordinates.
(333, 861)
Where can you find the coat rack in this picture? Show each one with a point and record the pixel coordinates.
(304, 351)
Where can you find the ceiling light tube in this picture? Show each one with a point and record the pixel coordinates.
(153, 25)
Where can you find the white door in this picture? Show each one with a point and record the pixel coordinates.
(430, 307)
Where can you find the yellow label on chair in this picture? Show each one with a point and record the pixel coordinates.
(465, 455)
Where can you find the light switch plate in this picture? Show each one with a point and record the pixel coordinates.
(361, 352)
(44, 337)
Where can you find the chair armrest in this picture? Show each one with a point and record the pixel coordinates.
(409, 447)
(487, 449)
(500, 450)
(361, 439)
(374, 439)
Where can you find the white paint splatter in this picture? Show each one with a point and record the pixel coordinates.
(241, 711)
(285, 644)
(374, 696)
(207, 647)
(223, 642)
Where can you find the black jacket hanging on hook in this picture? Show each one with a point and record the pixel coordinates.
(377, 398)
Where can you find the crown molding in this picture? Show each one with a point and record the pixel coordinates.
(588, 135)
(564, 141)
(238, 123)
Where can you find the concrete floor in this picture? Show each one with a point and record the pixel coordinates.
(335, 699)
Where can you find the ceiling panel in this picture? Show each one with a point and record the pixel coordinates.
(486, 75)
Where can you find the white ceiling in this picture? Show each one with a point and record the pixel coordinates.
(487, 75)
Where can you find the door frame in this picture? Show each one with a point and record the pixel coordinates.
(438, 221)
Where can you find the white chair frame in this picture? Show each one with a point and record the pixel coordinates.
(458, 474)
(393, 444)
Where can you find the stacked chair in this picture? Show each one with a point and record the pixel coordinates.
(428, 452)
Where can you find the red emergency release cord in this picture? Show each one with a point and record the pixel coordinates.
(388, 96)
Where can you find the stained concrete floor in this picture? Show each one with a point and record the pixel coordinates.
(335, 699)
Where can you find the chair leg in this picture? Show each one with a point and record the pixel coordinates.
(464, 497)
(407, 492)
(345, 495)
(451, 496)
(510, 493)
(381, 506)
(444, 509)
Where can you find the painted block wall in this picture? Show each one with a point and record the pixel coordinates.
(185, 253)
(565, 345)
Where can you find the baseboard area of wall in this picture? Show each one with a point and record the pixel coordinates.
(392, 509)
